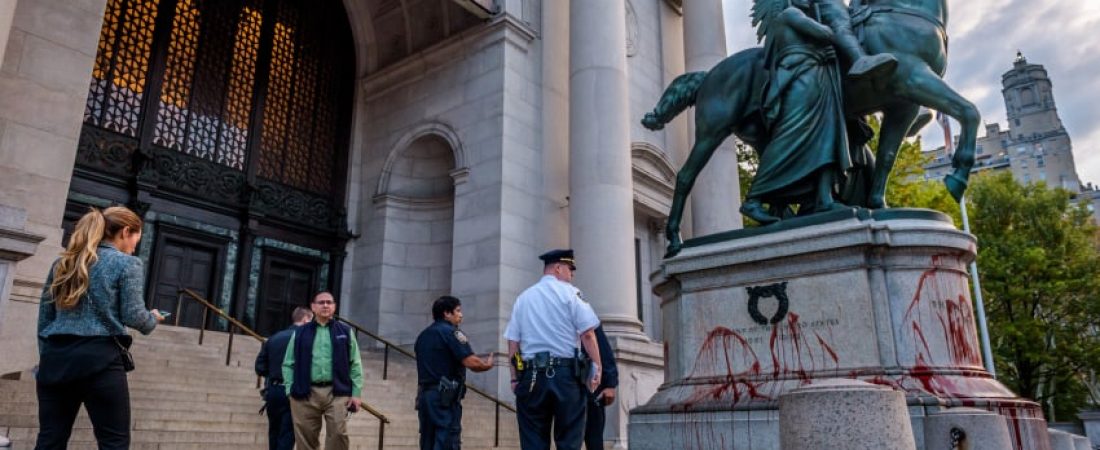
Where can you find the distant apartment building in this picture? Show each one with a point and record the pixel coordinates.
(1035, 146)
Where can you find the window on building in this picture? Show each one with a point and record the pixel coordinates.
(1027, 97)
(221, 80)
(1043, 176)
(980, 150)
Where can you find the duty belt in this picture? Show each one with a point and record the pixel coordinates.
(542, 362)
(535, 363)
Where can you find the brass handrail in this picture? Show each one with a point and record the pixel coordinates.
(211, 307)
(386, 364)
(207, 307)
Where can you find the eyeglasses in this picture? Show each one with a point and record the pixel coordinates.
(324, 302)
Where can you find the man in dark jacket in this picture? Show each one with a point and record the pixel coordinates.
(603, 395)
(269, 364)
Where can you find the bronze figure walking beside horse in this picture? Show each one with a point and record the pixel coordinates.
(728, 100)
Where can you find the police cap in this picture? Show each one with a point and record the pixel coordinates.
(560, 255)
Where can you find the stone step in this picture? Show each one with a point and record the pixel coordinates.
(183, 396)
(153, 414)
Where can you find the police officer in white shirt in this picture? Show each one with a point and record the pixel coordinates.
(549, 375)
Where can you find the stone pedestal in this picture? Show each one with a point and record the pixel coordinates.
(843, 413)
(969, 428)
(881, 297)
(1081, 443)
(639, 361)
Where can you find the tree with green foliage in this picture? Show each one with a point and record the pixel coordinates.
(907, 187)
(1040, 269)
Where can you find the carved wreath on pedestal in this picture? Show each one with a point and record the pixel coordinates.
(777, 290)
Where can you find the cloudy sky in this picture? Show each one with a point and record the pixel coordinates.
(985, 34)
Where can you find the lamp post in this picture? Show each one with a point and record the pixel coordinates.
(983, 327)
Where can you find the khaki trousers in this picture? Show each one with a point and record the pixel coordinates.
(307, 420)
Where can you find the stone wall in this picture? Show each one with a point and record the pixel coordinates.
(477, 93)
(47, 64)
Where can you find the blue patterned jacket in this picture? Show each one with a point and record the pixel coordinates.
(115, 300)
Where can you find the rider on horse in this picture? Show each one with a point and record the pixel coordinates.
(835, 14)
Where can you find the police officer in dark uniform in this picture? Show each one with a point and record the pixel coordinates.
(269, 364)
(443, 354)
(603, 395)
(551, 379)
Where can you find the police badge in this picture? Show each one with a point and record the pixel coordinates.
(461, 337)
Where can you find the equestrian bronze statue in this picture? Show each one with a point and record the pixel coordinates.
(800, 103)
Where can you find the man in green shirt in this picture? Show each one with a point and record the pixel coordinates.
(323, 375)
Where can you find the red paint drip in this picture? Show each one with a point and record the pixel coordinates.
(828, 349)
(960, 332)
(920, 335)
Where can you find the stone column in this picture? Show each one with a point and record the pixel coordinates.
(555, 123)
(601, 210)
(715, 198)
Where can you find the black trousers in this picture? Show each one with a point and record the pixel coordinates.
(554, 404)
(593, 426)
(440, 428)
(106, 396)
(280, 426)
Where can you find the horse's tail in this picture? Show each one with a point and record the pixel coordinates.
(679, 95)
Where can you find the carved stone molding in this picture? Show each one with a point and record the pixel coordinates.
(106, 151)
(275, 200)
(206, 180)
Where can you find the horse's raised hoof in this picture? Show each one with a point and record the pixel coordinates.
(650, 121)
(955, 185)
(755, 211)
(673, 248)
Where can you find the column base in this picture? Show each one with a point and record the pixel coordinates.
(641, 371)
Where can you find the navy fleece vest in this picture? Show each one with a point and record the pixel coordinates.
(303, 360)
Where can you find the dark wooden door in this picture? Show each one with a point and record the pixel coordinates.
(182, 262)
(285, 284)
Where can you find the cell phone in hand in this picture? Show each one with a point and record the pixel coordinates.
(164, 314)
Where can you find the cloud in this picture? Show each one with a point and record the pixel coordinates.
(984, 37)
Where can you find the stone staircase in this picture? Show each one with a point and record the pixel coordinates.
(183, 396)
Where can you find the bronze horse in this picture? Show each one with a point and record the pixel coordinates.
(727, 99)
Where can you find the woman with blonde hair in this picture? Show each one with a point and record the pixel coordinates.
(93, 292)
